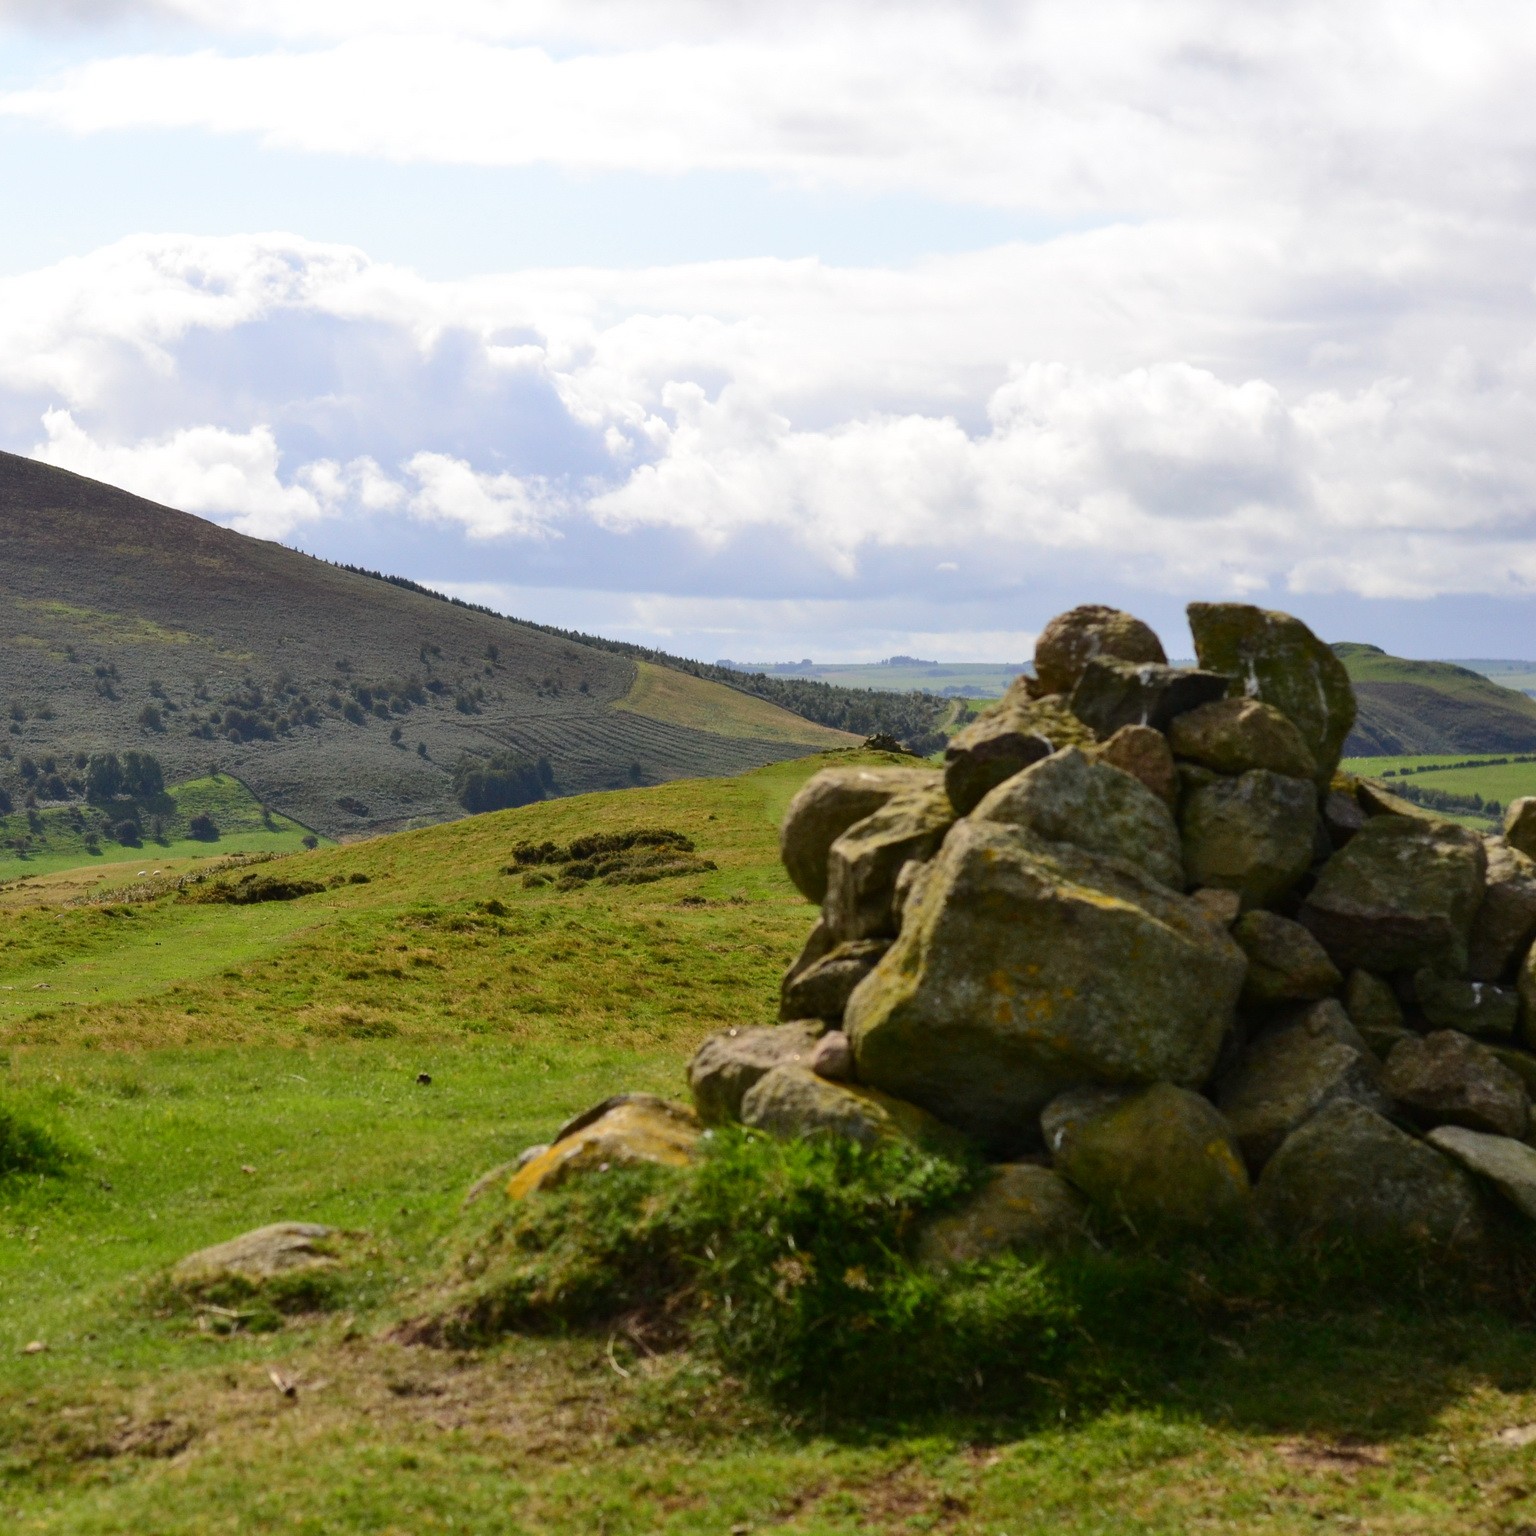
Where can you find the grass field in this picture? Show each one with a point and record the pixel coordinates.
(216, 1067)
(680, 699)
(1492, 780)
(55, 838)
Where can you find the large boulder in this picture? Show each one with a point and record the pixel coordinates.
(1508, 1165)
(1252, 834)
(1144, 753)
(1285, 962)
(1112, 694)
(1275, 658)
(1400, 895)
(1160, 1158)
(1234, 735)
(826, 806)
(1348, 1175)
(729, 1063)
(631, 1129)
(1520, 825)
(864, 862)
(281, 1249)
(1021, 1206)
(821, 990)
(1068, 798)
(1474, 1007)
(1025, 967)
(1506, 921)
(1285, 1076)
(793, 1102)
(1447, 1079)
(1014, 733)
(1072, 639)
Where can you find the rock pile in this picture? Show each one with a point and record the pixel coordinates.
(1144, 946)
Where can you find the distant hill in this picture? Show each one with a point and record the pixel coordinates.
(342, 700)
(1411, 707)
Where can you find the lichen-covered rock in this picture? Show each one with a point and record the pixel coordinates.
(1285, 1076)
(1285, 962)
(1144, 753)
(1520, 825)
(629, 1129)
(1347, 1174)
(1251, 834)
(1400, 895)
(1234, 735)
(1112, 694)
(832, 1057)
(1016, 732)
(1342, 815)
(1222, 907)
(1160, 1158)
(1448, 1079)
(1375, 799)
(1507, 1164)
(826, 806)
(1068, 798)
(793, 1102)
(1021, 1207)
(1027, 967)
(1521, 1063)
(729, 1063)
(1371, 1003)
(1277, 659)
(1474, 1007)
(1506, 921)
(863, 863)
(1072, 639)
(283, 1248)
(822, 989)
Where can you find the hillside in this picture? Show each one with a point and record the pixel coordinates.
(341, 700)
(1413, 707)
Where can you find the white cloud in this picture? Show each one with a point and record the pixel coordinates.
(485, 506)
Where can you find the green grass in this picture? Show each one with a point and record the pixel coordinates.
(286, 1040)
(55, 839)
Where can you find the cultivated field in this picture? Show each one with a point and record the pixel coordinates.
(214, 1067)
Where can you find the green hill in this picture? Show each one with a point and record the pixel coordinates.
(342, 700)
(1418, 707)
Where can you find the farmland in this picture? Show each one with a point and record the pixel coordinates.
(211, 1067)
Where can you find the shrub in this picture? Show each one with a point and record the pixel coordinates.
(310, 840)
(108, 776)
(203, 827)
(151, 719)
(501, 782)
(25, 1148)
(6, 807)
(127, 833)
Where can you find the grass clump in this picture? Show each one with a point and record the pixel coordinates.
(636, 857)
(26, 1148)
(789, 1263)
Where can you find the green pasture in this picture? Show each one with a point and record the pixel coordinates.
(209, 1068)
(1488, 777)
(53, 839)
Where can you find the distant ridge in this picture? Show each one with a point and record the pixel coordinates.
(1410, 707)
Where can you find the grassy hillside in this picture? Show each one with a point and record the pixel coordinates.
(663, 694)
(951, 679)
(342, 700)
(1417, 707)
(213, 1067)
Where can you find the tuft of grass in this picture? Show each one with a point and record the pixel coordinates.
(26, 1148)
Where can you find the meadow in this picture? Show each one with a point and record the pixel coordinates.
(210, 1067)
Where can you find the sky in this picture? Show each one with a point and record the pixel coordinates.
(828, 330)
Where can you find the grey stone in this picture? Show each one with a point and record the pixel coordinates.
(832, 1057)
(822, 989)
(1371, 1003)
(1021, 1207)
(1506, 921)
(1275, 658)
(1509, 1165)
(793, 1103)
(1028, 967)
(1400, 895)
(1068, 798)
(1144, 753)
(1474, 1007)
(1348, 1174)
(1234, 735)
(1448, 1079)
(1342, 815)
(1016, 732)
(729, 1063)
(826, 806)
(1520, 825)
(1159, 1158)
(284, 1247)
(1111, 694)
(1251, 834)
(1285, 962)
(1285, 1076)
(864, 862)
(1072, 639)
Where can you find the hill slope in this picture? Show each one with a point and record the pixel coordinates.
(341, 700)
(1411, 707)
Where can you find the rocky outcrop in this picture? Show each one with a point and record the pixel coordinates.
(1030, 966)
